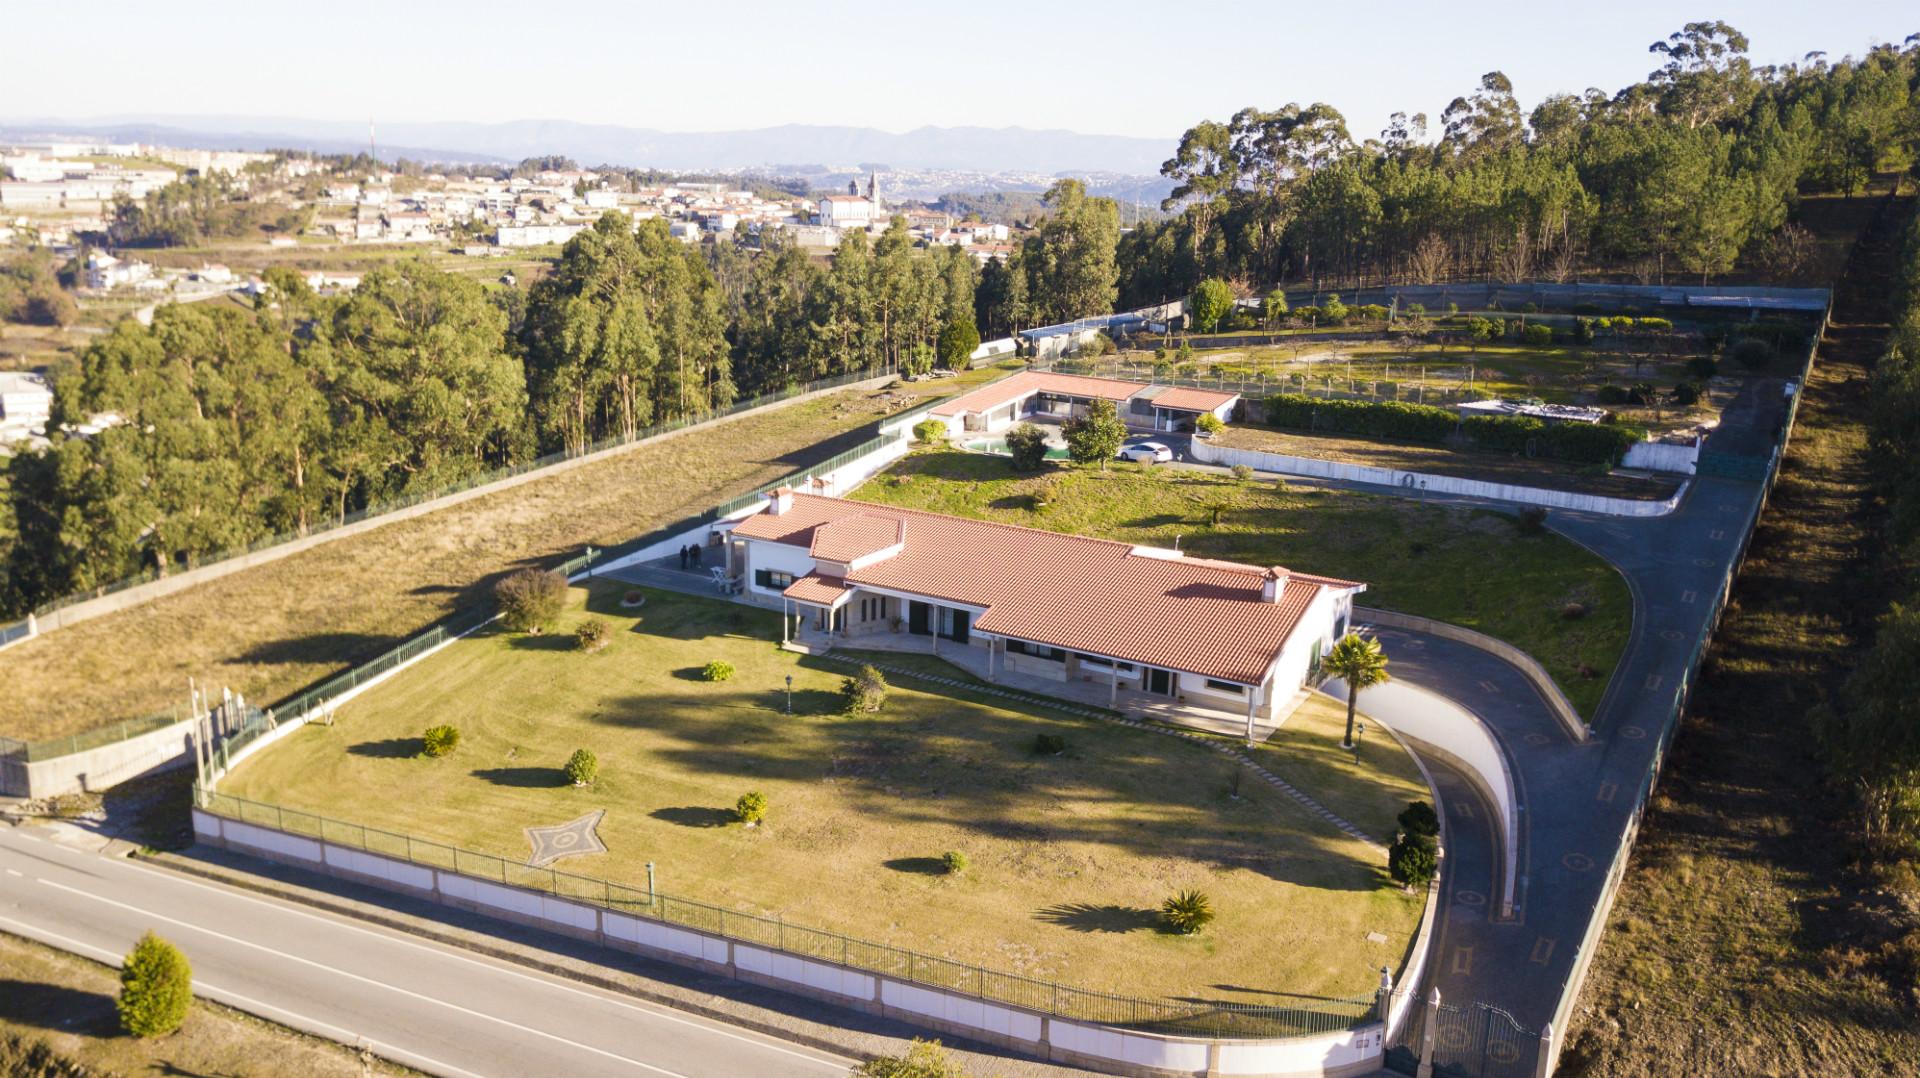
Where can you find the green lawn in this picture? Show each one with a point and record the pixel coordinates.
(1469, 567)
(1070, 855)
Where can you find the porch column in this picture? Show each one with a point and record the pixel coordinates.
(1253, 696)
(1113, 694)
(993, 646)
(786, 623)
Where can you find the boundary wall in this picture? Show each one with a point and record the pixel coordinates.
(1420, 482)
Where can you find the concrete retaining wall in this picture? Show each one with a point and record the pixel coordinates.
(121, 600)
(99, 767)
(1543, 683)
(1207, 452)
(1663, 457)
(1084, 1044)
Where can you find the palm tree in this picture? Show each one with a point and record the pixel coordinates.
(1358, 661)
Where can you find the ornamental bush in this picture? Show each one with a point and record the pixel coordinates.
(1049, 744)
(1187, 912)
(156, 988)
(583, 767)
(1539, 336)
(1027, 445)
(1418, 818)
(955, 862)
(1752, 353)
(1702, 368)
(592, 635)
(930, 431)
(1412, 859)
(717, 670)
(751, 808)
(531, 599)
(865, 692)
(1208, 423)
(440, 740)
(926, 1059)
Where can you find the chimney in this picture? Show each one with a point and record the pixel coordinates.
(779, 501)
(1273, 584)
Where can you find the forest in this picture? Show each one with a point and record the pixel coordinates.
(239, 425)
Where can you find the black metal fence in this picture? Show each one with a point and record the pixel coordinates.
(1172, 1016)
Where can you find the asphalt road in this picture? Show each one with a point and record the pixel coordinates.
(436, 1008)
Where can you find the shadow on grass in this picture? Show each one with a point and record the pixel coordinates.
(392, 748)
(1015, 503)
(1262, 992)
(544, 642)
(319, 647)
(537, 778)
(56, 1007)
(694, 816)
(1158, 520)
(918, 866)
(1086, 917)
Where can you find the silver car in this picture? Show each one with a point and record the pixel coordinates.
(1150, 452)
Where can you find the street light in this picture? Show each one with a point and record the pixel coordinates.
(789, 694)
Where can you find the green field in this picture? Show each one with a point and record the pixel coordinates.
(1469, 567)
(1070, 855)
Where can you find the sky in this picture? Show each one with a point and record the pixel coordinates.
(1124, 67)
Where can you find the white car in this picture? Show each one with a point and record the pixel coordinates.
(1150, 452)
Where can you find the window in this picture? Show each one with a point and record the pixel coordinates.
(1227, 687)
(1140, 406)
(1038, 651)
(1101, 660)
(774, 579)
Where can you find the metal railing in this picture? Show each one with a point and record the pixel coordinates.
(1169, 1016)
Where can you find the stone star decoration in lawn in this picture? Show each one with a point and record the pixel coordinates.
(570, 839)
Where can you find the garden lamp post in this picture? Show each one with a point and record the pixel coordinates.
(650, 899)
(789, 694)
(1359, 733)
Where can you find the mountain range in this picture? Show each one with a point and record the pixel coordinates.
(799, 147)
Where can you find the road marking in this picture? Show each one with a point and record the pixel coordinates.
(422, 997)
(1463, 961)
(1490, 688)
(498, 967)
(1653, 682)
(13, 872)
(1606, 791)
(1542, 949)
(1689, 596)
(1537, 738)
(1632, 733)
(202, 987)
(1470, 898)
(1717, 533)
(1463, 808)
(1579, 862)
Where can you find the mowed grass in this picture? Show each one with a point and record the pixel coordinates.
(1070, 856)
(1440, 460)
(57, 1018)
(272, 630)
(1469, 567)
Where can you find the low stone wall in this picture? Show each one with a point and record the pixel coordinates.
(1207, 451)
(1543, 683)
(1103, 1048)
(99, 767)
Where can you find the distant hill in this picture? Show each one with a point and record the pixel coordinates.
(965, 148)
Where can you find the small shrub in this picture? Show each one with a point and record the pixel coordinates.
(1752, 353)
(955, 862)
(1208, 423)
(1242, 472)
(1049, 745)
(926, 1059)
(530, 599)
(751, 808)
(156, 988)
(865, 692)
(583, 767)
(1702, 367)
(930, 431)
(717, 670)
(633, 597)
(1573, 611)
(1412, 860)
(1187, 912)
(1532, 520)
(1685, 394)
(1027, 445)
(592, 635)
(440, 740)
(1418, 818)
(1539, 336)
(1611, 394)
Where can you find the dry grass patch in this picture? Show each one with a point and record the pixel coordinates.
(1069, 856)
(271, 630)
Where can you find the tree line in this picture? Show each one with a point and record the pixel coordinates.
(1679, 175)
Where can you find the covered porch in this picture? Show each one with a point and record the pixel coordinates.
(812, 628)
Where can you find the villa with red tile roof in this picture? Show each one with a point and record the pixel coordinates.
(1034, 606)
(1045, 394)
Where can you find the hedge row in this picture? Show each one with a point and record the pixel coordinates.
(1580, 443)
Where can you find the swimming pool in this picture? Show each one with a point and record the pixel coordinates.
(998, 447)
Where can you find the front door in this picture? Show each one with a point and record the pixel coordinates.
(917, 618)
(1159, 682)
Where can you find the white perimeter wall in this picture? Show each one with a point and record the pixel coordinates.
(1206, 451)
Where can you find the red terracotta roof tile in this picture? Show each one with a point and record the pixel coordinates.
(1026, 383)
(817, 589)
(1192, 400)
(856, 536)
(1093, 595)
